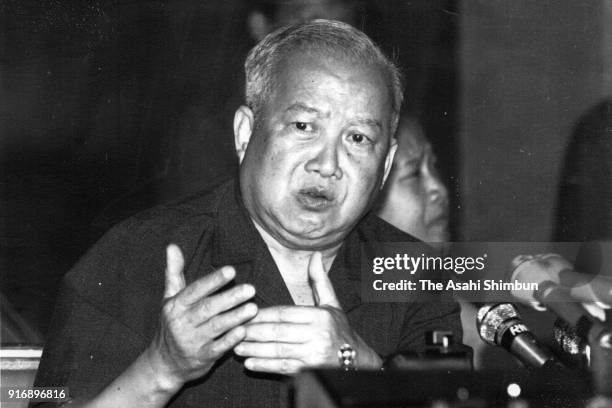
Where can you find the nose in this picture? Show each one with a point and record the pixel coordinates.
(325, 161)
(436, 190)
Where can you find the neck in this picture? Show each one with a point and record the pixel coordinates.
(293, 263)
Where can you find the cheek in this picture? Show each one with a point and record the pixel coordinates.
(364, 172)
(280, 160)
(409, 194)
(407, 217)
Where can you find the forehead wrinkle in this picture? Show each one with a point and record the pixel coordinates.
(306, 80)
(304, 107)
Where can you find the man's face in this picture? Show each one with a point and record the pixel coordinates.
(319, 154)
(415, 199)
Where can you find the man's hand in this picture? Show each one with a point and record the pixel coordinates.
(196, 327)
(285, 339)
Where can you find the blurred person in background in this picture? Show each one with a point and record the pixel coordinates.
(584, 209)
(584, 201)
(268, 15)
(416, 201)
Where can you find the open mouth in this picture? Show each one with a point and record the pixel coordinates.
(315, 198)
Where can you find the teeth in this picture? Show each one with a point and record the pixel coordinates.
(313, 193)
(316, 193)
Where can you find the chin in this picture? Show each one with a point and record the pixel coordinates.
(313, 243)
(306, 225)
(311, 235)
(438, 236)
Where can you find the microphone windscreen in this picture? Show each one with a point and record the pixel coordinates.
(491, 316)
(567, 338)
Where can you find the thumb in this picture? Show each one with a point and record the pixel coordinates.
(322, 289)
(175, 280)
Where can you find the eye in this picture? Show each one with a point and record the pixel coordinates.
(414, 173)
(303, 126)
(359, 139)
(410, 173)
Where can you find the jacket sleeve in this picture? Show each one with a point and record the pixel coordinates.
(91, 341)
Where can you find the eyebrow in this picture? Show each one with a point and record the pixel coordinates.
(409, 161)
(369, 122)
(301, 107)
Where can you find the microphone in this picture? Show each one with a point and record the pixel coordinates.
(599, 337)
(558, 300)
(553, 267)
(500, 324)
(568, 339)
(574, 348)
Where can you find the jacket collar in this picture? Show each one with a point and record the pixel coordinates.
(237, 242)
(235, 238)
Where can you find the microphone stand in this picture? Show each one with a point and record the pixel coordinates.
(597, 333)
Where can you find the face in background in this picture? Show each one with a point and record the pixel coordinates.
(292, 11)
(414, 199)
(316, 159)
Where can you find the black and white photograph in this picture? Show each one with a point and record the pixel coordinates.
(306, 203)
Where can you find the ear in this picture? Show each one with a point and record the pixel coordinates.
(258, 25)
(389, 160)
(244, 123)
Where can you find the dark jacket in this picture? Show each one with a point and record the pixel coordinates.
(109, 304)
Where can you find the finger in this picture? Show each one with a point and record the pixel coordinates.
(519, 259)
(175, 279)
(286, 314)
(228, 341)
(208, 284)
(226, 321)
(322, 288)
(211, 306)
(285, 366)
(277, 332)
(269, 350)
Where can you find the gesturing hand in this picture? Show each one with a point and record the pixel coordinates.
(284, 339)
(196, 327)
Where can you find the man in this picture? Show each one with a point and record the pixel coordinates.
(262, 274)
